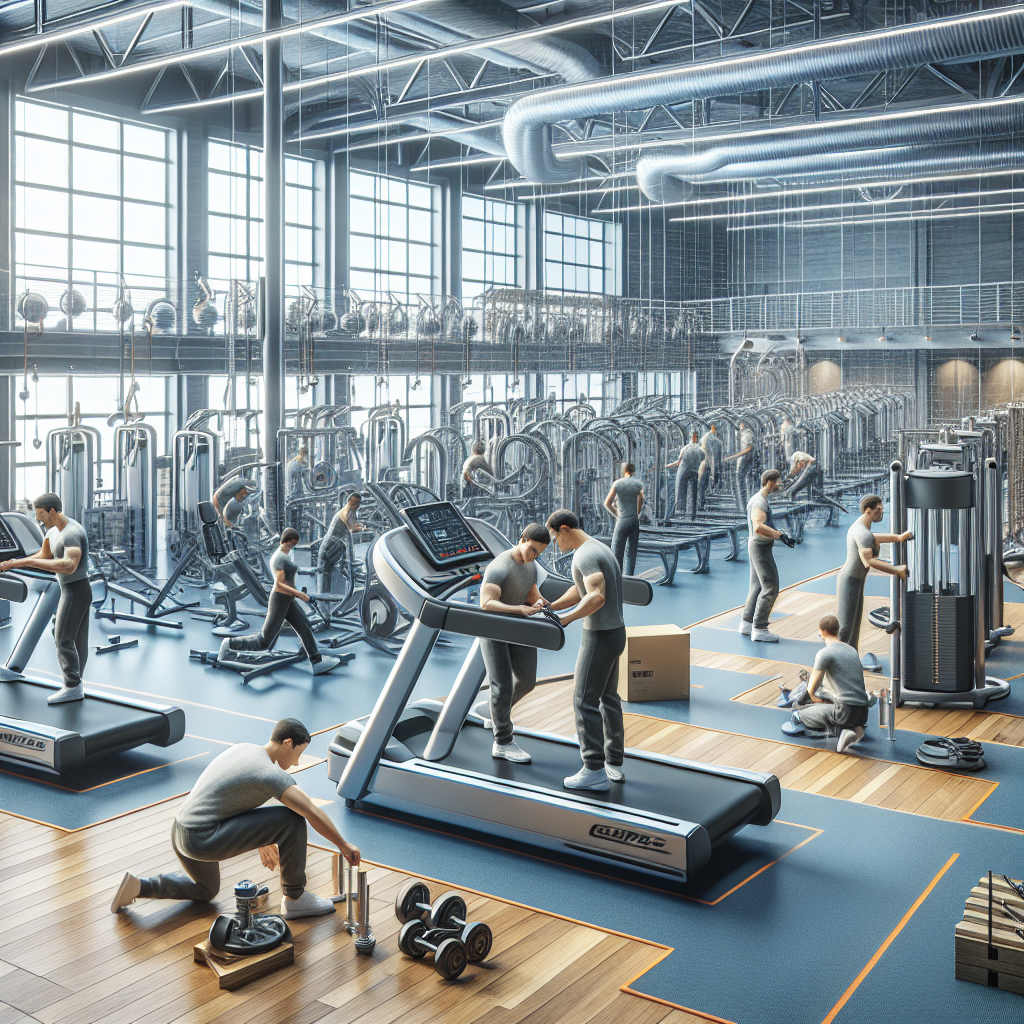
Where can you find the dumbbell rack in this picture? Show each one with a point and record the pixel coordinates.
(989, 943)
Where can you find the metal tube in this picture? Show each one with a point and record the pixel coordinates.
(978, 567)
(897, 591)
(993, 482)
(273, 244)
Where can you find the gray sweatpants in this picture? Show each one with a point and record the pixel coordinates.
(625, 538)
(686, 486)
(741, 483)
(596, 697)
(512, 673)
(281, 608)
(833, 718)
(330, 554)
(849, 608)
(71, 630)
(764, 585)
(201, 851)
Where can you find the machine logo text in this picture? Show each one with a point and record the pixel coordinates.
(628, 837)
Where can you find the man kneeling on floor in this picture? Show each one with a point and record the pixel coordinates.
(849, 714)
(223, 817)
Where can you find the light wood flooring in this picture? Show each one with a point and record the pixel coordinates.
(919, 790)
(65, 958)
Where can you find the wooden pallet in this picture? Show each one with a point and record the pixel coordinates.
(235, 971)
(989, 944)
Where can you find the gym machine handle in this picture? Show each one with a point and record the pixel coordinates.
(536, 631)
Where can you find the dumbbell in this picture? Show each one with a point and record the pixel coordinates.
(450, 955)
(447, 913)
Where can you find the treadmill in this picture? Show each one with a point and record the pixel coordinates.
(59, 739)
(432, 760)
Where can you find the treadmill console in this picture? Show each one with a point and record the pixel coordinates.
(443, 535)
(19, 535)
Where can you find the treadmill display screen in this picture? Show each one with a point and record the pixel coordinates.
(9, 546)
(444, 535)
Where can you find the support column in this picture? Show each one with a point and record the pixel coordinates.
(273, 234)
(8, 453)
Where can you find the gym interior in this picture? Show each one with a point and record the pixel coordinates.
(511, 511)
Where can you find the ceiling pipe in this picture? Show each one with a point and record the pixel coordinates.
(528, 124)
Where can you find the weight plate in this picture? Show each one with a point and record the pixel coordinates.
(413, 892)
(450, 959)
(445, 909)
(411, 931)
(220, 931)
(478, 939)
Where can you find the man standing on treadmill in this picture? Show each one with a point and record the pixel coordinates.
(65, 551)
(223, 816)
(510, 586)
(597, 595)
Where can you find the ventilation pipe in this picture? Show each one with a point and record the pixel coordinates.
(528, 124)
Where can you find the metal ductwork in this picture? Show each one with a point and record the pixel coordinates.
(817, 148)
(528, 124)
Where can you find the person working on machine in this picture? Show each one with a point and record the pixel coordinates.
(282, 608)
(849, 713)
(476, 461)
(625, 501)
(690, 458)
(65, 551)
(223, 817)
(764, 574)
(744, 459)
(597, 596)
(805, 473)
(510, 586)
(707, 473)
(228, 499)
(293, 474)
(332, 547)
(790, 435)
(861, 555)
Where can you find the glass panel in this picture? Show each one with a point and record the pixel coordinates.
(219, 234)
(100, 218)
(95, 256)
(552, 222)
(291, 248)
(361, 184)
(597, 254)
(473, 234)
(97, 131)
(41, 209)
(553, 247)
(396, 256)
(553, 275)
(420, 225)
(43, 163)
(144, 223)
(219, 193)
(150, 263)
(396, 191)
(421, 195)
(419, 259)
(420, 286)
(304, 243)
(361, 216)
(569, 249)
(255, 189)
(147, 141)
(95, 171)
(255, 168)
(473, 265)
(218, 156)
(304, 199)
(41, 119)
(472, 207)
(291, 170)
(306, 173)
(144, 179)
(220, 268)
(41, 250)
(596, 229)
(597, 281)
(397, 227)
(362, 281)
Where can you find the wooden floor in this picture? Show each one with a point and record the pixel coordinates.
(65, 958)
(918, 790)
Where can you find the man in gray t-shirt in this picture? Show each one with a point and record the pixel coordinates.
(690, 458)
(625, 501)
(65, 551)
(476, 461)
(597, 596)
(229, 498)
(744, 459)
(223, 817)
(509, 586)
(862, 548)
(848, 715)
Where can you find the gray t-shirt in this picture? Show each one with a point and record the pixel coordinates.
(690, 458)
(758, 500)
(239, 780)
(230, 490)
(592, 557)
(627, 493)
(514, 580)
(857, 537)
(746, 441)
(335, 532)
(232, 510)
(282, 560)
(841, 664)
(712, 445)
(294, 475)
(72, 536)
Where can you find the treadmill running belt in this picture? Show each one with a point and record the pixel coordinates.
(720, 805)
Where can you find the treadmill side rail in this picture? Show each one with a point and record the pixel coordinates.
(40, 746)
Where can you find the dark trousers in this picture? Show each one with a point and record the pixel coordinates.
(330, 554)
(810, 478)
(741, 484)
(280, 609)
(849, 608)
(512, 674)
(71, 630)
(686, 489)
(764, 585)
(599, 725)
(201, 850)
(833, 718)
(625, 538)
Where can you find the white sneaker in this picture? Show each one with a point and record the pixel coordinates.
(225, 652)
(483, 709)
(595, 780)
(510, 752)
(325, 665)
(848, 737)
(745, 627)
(765, 636)
(127, 893)
(66, 694)
(614, 772)
(307, 905)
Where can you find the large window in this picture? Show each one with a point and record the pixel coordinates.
(90, 202)
(578, 255)
(235, 183)
(490, 245)
(391, 241)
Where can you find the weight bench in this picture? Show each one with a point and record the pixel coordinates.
(668, 548)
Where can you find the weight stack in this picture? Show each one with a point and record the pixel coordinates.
(988, 949)
(940, 642)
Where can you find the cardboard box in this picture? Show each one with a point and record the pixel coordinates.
(655, 664)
